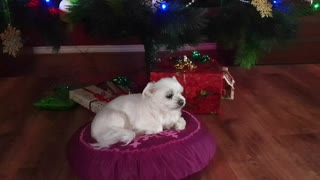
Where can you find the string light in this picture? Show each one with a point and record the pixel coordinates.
(245, 1)
(33, 3)
(190, 3)
(277, 2)
(53, 11)
(155, 4)
(164, 6)
(64, 5)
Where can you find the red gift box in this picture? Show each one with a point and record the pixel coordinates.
(203, 86)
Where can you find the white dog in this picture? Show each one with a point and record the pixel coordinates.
(157, 108)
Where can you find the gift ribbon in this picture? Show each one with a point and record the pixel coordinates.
(99, 97)
(121, 80)
(115, 89)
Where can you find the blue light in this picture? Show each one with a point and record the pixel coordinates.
(164, 6)
(47, 1)
(275, 2)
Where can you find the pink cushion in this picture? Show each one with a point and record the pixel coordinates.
(167, 155)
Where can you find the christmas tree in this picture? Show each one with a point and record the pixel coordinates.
(250, 27)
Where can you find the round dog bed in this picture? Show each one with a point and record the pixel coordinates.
(167, 155)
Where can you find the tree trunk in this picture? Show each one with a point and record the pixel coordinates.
(150, 54)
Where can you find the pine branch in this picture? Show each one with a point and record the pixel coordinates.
(240, 27)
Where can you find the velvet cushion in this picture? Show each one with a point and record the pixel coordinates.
(167, 155)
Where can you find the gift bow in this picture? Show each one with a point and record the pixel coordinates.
(99, 97)
(186, 63)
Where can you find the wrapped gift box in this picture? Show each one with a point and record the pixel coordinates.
(228, 85)
(203, 85)
(95, 97)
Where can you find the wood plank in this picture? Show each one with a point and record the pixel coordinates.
(304, 150)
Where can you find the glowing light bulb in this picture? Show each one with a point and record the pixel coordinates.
(64, 5)
(164, 6)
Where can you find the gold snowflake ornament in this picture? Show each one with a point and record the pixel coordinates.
(11, 40)
(264, 7)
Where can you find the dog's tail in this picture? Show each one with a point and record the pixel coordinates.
(113, 135)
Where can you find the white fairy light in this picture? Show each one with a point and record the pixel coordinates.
(64, 5)
(190, 3)
(245, 1)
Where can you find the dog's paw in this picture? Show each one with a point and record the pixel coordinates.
(153, 131)
(181, 124)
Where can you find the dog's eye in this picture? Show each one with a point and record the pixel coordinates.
(169, 96)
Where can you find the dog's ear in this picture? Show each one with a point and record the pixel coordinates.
(148, 90)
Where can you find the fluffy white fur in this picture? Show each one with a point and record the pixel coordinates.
(157, 108)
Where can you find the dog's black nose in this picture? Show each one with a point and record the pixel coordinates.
(180, 102)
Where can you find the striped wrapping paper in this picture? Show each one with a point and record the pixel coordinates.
(94, 97)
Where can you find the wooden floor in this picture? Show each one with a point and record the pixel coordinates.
(270, 131)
